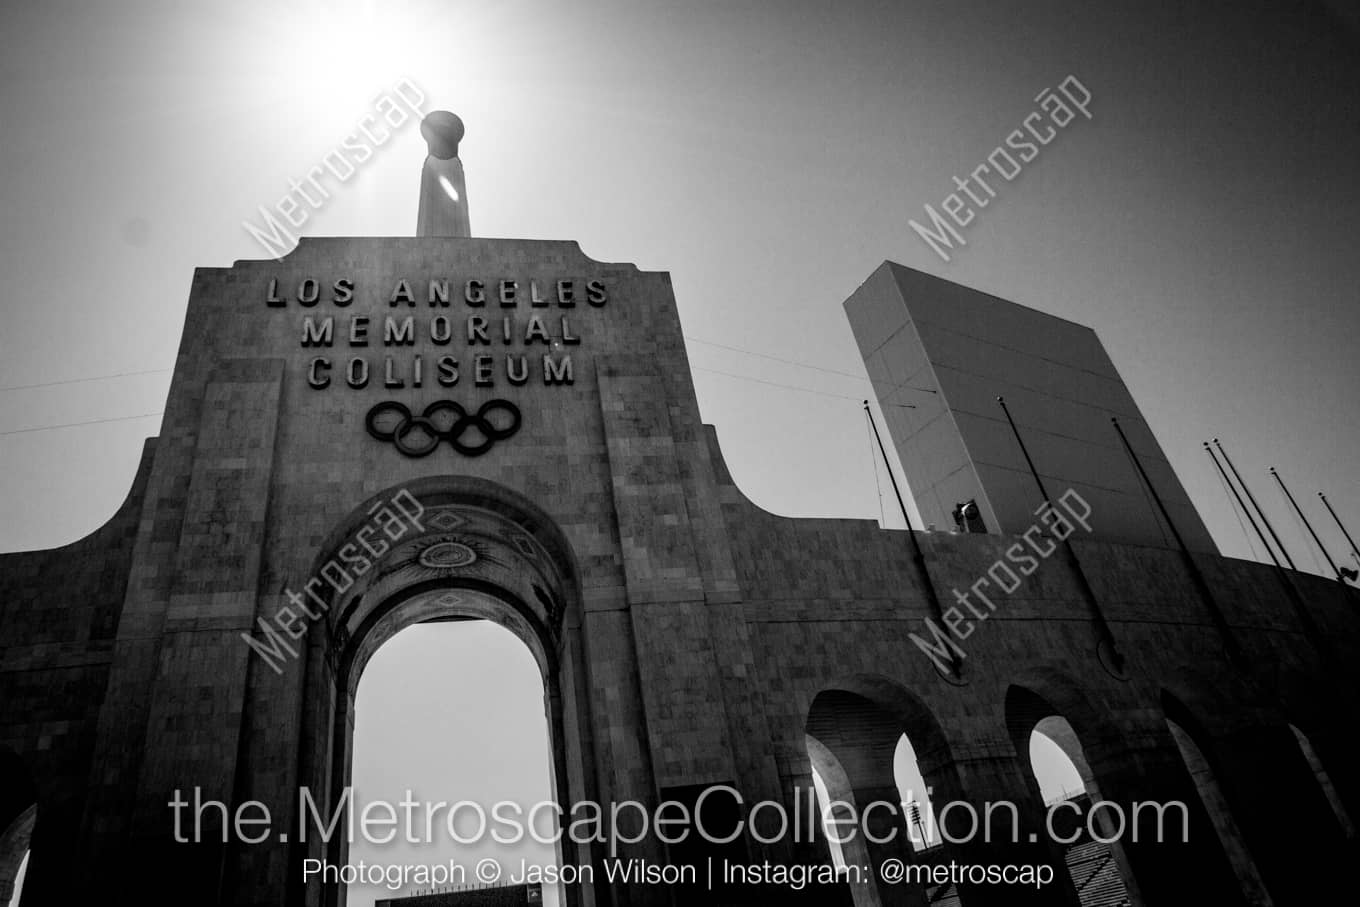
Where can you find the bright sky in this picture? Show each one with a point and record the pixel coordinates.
(767, 154)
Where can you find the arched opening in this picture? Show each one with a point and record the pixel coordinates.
(1055, 770)
(18, 815)
(474, 554)
(1324, 781)
(452, 711)
(1192, 742)
(861, 741)
(14, 853)
(1060, 774)
(914, 798)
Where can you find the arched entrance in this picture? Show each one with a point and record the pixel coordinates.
(437, 549)
(1192, 741)
(854, 735)
(1090, 846)
(18, 815)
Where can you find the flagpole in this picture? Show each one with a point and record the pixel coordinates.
(1299, 511)
(1251, 497)
(1103, 632)
(1233, 488)
(1235, 654)
(1355, 551)
(917, 555)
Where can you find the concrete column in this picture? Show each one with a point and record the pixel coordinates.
(811, 846)
(188, 729)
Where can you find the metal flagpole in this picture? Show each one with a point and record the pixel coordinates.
(1103, 631)
(1233, 488)
(1299, 511)
(1355, 551)
(1250, 497)
(1196, 577)
(917, 554)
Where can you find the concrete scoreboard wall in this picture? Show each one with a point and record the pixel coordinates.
(686, 637)
(949, 352)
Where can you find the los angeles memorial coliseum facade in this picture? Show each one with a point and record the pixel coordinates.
(534, 408)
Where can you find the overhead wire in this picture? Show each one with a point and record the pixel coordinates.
(735, 349)
(20, 431)
(25, 387)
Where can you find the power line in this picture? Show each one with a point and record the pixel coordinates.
(24, 387)
(20, 431)
(154, 371)
(737, 349)
(793, 387)
(724, 346)
(818, 368)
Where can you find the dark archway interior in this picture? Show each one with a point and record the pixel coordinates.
(1192, 740)
(18, 815)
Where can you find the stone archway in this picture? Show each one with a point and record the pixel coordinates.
(436, 549)
(852, 731)
(1092, 853)
(1195, 747)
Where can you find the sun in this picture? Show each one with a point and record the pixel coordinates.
(351, 51)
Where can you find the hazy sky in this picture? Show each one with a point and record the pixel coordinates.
(768, 155)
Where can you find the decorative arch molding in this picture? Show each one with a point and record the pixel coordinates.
(1045, 691)
(894, 706)
(442, 547)
(1217, 707)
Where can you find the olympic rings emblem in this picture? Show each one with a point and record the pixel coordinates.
(443, 420)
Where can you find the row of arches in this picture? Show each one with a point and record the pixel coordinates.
(863, 747)
(869, 740)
